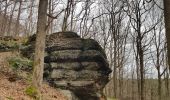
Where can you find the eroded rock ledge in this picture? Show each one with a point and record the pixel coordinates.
(74, 64)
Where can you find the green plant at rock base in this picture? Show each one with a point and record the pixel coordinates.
(31, 91)
(24, 41)
(18, 63)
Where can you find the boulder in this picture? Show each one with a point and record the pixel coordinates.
(74, 64)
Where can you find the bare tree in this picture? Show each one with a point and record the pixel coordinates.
(17, 26)
(138, 12)
(67, 14)
(4, 19)
(40, 45)
(11, 18)
(158, 60)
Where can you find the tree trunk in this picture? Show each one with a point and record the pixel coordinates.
(17, 26)
(66, 15)
(30, 20)
(4, 20)
(159, 85)
(167, 26)
(11, 20)
(40, 46)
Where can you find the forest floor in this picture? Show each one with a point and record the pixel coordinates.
(15, 90)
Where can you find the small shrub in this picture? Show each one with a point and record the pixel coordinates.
(31, 91)
(24, 41)
(18, 63)
(11, 45)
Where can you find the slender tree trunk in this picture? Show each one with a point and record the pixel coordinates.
(142, 76)
(50, 20)
(11, 19)
(4, 20)
(133, 84)
(166, 77)
(17, 26)
(30, 19)
(66, 15)
(40, 46)
(72, 15)
(115, 70)
(159, 85)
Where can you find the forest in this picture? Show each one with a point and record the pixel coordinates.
(106, 49)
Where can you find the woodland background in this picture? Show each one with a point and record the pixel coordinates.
(132, 33)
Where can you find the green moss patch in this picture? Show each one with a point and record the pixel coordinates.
(31, 91)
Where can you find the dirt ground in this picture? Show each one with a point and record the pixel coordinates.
(16, 90)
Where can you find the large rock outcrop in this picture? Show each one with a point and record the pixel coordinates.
(75, 64)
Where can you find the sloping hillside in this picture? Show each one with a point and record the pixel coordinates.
(11, 89)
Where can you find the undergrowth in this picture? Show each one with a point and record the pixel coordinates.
(31, 91)
(20, 63)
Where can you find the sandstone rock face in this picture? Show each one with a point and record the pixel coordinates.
(75, 64)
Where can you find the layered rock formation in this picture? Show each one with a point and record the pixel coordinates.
(76, 64)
